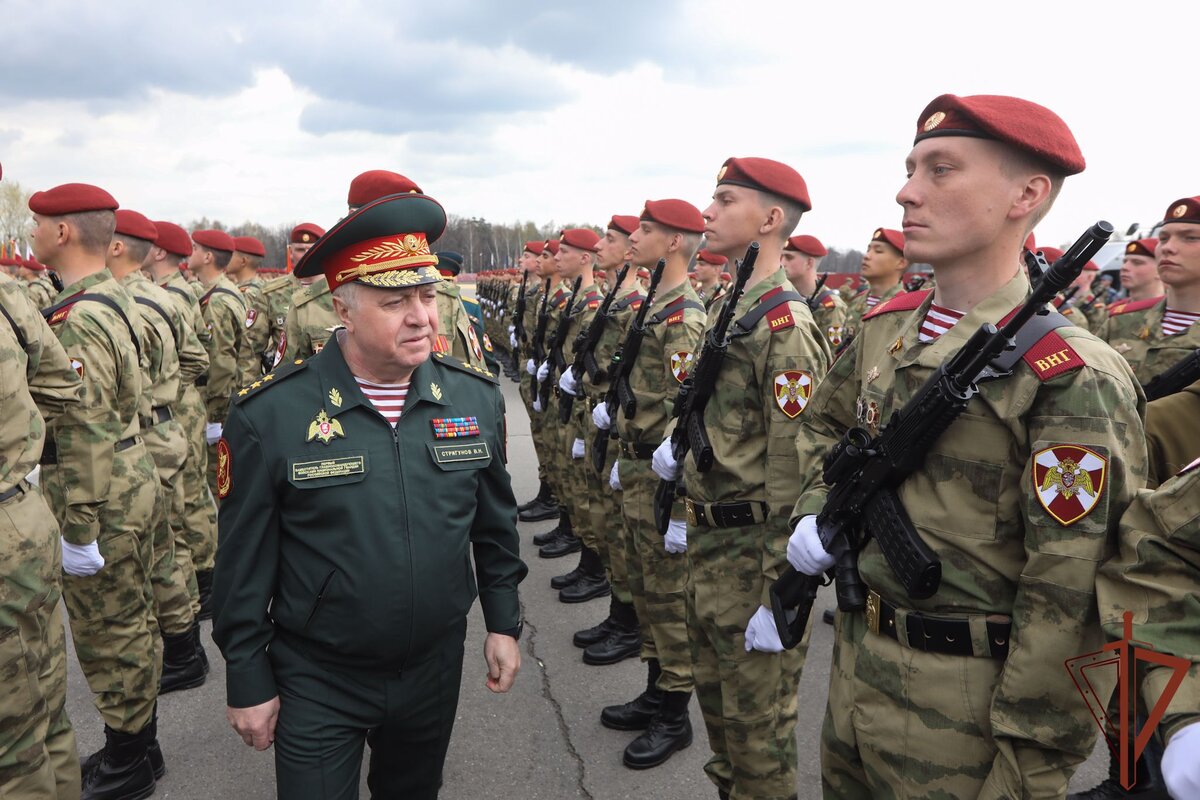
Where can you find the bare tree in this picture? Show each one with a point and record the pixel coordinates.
(15, 220)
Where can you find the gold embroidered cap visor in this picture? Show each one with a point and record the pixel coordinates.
(385, 244)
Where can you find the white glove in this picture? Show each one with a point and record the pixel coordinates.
(804, 551)
(530, 367)
(1181, 762)
(614, 480)
(81, 560)
(537, 404)
(512, 339)
(675, 540)
(761, 633)
(577, 448)
(512, 329)
(35, 475)
(568, 383)
(543, 371)
(213, 431)
(600, 416)
(664, 464)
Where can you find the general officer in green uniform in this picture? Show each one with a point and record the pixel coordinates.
(352, 502)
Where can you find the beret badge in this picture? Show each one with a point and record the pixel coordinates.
(721, 174)
(934, 120)
(1179, 210)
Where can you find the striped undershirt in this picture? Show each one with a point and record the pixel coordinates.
(388, 398)
(1177, 321)
(937, 321)
(872, 301)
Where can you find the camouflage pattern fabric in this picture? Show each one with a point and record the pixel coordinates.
(856, 307)
(830, 316)
(224, 318)
(1170, 433)
(454, 324)
(309, 323)
(278, 294)
(256, 330)
(40, 292)
(1137, 335)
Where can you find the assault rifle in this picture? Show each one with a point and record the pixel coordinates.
(585, 346)
(696, 390)
(863, 473)
(519, 318)
(539, 339)
(1178, 377)
(619, 393)
(812, 298)
(554, 348)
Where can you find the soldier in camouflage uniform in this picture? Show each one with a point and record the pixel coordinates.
(456, 332)
(224, 312)
(37, 744)
(279, 290)
(38, 287)
(883, 267)
(100, 481)
(800, 258)
(669, 229)
(707, 273)
(1020, 498)
(197, 537)
(1139, 273)
(176, 593)
(737, 512)
(243, 271)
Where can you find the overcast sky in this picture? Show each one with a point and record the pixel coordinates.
(574, 111)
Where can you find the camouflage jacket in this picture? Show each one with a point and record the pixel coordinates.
(626, 303)
(256, 330)
(278, 293)
(1171, 432)
(830, 316)
(40, 292)
(309, 324)
(224, 318)
(159, 335)
(856, 307)
(1134, 330)
(456, 335)
(193, 358)
(1014, 536)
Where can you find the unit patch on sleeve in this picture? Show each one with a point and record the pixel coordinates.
(224, 469)
(793, 388)
(1069, 481)
(681, 364)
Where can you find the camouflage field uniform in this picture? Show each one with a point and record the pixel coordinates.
(548, 440)
(40, 292)
(1170, 432)
(38, 757)
(198, 534)
(533, 300)
(224, 313)
(102, 485)
(1135, 331)
(657, 579)
(309, 324)
(1014, 545)
(749, 699)
(256, 330)
(856, 307)
(278, 293)
(456, 335)
(173, 579)
(1091, 319)
(581, 479)
(830, 316)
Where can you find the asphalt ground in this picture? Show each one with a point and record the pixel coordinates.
(541, 741)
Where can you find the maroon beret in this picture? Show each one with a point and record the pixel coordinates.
(709, 257)
(1019, 123)
(173, 239)
(131, 223)
(808, 245)
(725, 276)
(1142, 247)
(71, 198)
(33, 264)
(678, 214)
(1053, 254)
(623, 223)
(377, 183)
(889, 237)
(551, 245)
(1030, 242)
(766, 175)
(581, 238)
(249, 245)
(214, 240)
(535, 247)
(305, 233)
(1186, 209)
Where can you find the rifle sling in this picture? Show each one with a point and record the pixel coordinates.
(674, 307)
(102, 300)
(146, 301)
(745, 325)
(1030, 334)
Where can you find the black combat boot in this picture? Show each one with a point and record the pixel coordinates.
(182, 668)
(637, 713)
(199, 645)
(563, 529)
(592, 584)
(624, 639)
(598, 633)
(542, 508)
(568, 578)
(153, 751)
(1150, 784)
(669, 731)
(204, 583)
(121, 770)
(544, 494)
(565, 543)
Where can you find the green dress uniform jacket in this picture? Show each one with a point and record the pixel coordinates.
(348, 538)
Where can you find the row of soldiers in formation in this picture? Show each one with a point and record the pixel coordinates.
(124, 341)
(693, 603)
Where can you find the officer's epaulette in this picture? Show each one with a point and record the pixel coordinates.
(905, 301)
(1133, 305)
(309, 293)
(272, 378)
(448, 360)
(277, 282)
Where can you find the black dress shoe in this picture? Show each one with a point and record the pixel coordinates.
(566, 579)
(668, 732)
(540, 510)
(634, 715)
(564, 546)
(594, 634)
(589, 587)
(620, 644)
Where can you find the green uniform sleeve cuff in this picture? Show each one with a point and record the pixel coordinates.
(501, 610)
(251, 685)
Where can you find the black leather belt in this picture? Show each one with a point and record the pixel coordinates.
(11, 493)
(936, 634)
(726, 515)
(50, 450)
(637, 451)
(202, 380)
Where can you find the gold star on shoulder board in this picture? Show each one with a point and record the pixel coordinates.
(872, 374)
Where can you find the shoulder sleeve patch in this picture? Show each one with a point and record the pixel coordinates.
(780, 317)
(277, 375)
(675, 318)
(224, 469)
(1133, 305)
(448, 360)
(905, 301)
(1051, 356)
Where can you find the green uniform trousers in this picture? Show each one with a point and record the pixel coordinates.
(199, 533)
(604, 508)
(535, 422)
(326, 715)
(176, 595)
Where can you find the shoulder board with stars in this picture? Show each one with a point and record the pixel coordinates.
(272, 378)
(479, 372)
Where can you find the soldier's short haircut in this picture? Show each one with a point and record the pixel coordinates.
(220, 257)
(1022, 164)
(791, 212)
(94, 228)
(347, 293)
(255, 262)
(137, 249)
(691, 244)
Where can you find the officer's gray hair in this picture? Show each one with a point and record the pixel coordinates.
(348, 294)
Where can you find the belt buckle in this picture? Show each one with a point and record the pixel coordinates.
(691, 512)
(873, 611)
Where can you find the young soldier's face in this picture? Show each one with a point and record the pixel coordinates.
(572, 261)
(1138, 271)
(706, 273)
(529, 262)
(794, 264)
(546, 264)
(1178, 254)
(733, 219)
(649, 243)
(610, 251)
(882, 260)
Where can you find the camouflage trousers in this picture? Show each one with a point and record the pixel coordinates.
(657, 580)
(604, 508)
(172, 576)
(536, 421)
(575, 479)
(748, 700)
(199, 525)
(38, 757)
(111, 613)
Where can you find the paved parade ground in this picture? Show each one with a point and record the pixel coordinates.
(542, 741)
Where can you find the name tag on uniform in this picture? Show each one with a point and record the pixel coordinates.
(460, 456)
(328, 468)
